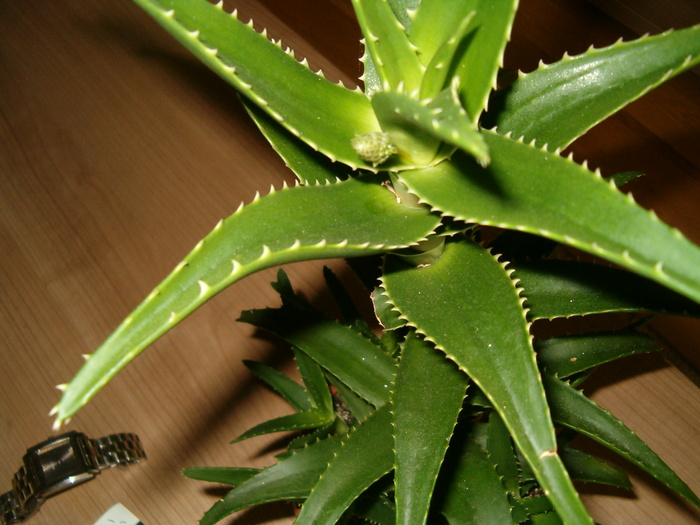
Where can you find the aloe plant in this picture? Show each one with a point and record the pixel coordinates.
(412, 168)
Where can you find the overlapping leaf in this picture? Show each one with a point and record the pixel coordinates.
(426, 401)
(324, 115)
(501, 362)
(350, 218)
(515, 192)
(558, 103)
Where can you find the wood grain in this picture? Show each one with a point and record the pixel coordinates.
(118, 151)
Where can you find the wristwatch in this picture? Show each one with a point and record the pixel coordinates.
(60, 463)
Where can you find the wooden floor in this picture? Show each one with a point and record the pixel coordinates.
(118, 152)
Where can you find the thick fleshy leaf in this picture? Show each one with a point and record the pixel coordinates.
(310, 166)
(569, 288)
(437, 74)
(291, 478)
(574, 410)
(476, 495)
(479, 55)
(308, 420)
(558, 103)
(482, 299)
(227, 475)
(499, 447)
(375, 509)
(290, 390)
(534, 190)
(584, 467)
(393, 56)
(349, 218)
(389, 318)
(435, 22)
(565, 356)
(417, 128)
(426, 401)
(315, 382)
(365, 456)
(324, 115)
(349, 356)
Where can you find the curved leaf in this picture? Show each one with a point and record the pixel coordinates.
(537, 191)
(479, 54)
(291, 478)
(568, 288)
(418, 127)
(574, 410)
(393, 56)
(345, 219)
(324, 115)
(349, 356)
(583, 467)
(310, 166)
(227, 475)
(310, 419)
(290, 390)
(476, 495)
(558, 103)
(481, 300)
(565, 356)
(435, 20)
(426, 401)
(365, 456)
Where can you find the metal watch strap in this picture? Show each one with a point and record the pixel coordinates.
(118, 450)
(110, 451)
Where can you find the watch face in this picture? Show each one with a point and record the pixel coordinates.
(60, 464)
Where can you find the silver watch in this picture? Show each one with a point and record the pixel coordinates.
(60, 463)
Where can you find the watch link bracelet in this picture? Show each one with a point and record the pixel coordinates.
(60, 463)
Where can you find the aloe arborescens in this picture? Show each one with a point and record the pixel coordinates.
(413, 168)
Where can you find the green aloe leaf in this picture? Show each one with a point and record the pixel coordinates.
(574, 410)
(558, 103)
(417, 128)
(426, 401)
(569, 288)
(388, 317)
(326, 116)
(290, 390)
(374, 509)
(565, 356)
(307, 420)
(349, 356)
(533, 190)
(479, 53)
(499, 447)
(315, 381)
(227, 475)
(476, 495)
(393, 56)
(291, 478)
(345, 219)
(436, 22)
(310, 166)
(584, 467)
(482, 299)
(366, 454)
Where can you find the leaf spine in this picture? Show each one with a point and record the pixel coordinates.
(204, 288)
